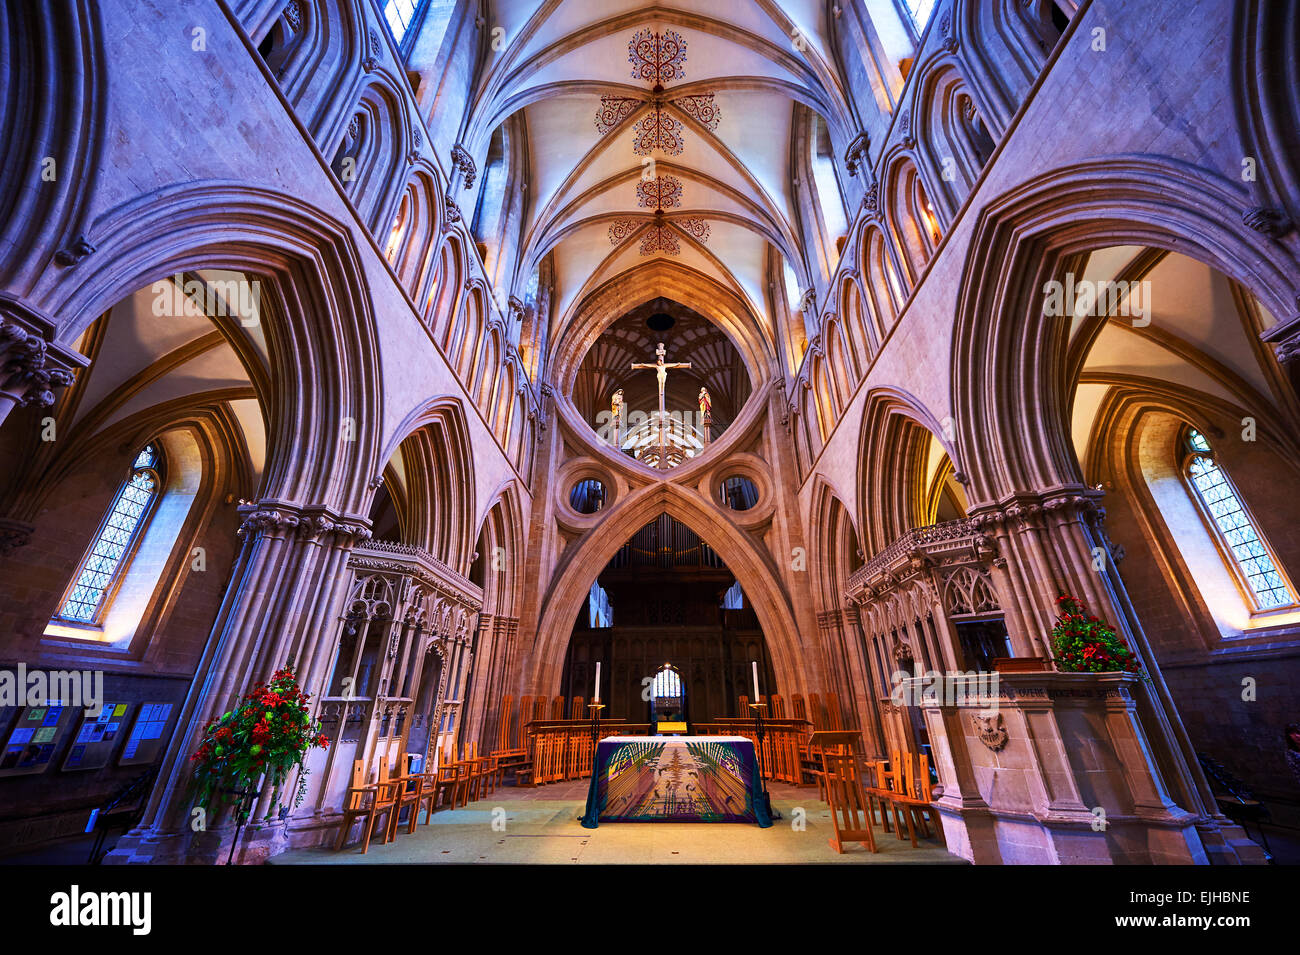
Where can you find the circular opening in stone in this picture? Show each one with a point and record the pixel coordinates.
(587, 496)
(739, 493)
(660, 322)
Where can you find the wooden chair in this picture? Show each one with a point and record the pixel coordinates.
(448, 783)
(428, 797)
(916, 797)
(832, 742)
(850, 810)
(368, 802)
(877, 790)
(407, 792)
(911, 795)
(480, 770)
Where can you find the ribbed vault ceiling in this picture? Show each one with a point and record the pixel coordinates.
(558, 58)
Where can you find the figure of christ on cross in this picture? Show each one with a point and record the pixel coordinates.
(661, 370)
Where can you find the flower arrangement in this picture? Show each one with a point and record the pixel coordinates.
(268, 733)
(1084, 644)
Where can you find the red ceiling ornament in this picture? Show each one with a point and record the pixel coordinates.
(621, 229)
(657, 131)
(701, 108)
(613, 110)
(660, 238)
(661, 192)
(657, 58)
(695, 228)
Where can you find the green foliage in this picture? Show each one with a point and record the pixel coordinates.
(268, 733)
(1084, 644)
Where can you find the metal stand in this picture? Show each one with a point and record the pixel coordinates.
(758, 709)
(247, 799)
(595, 727)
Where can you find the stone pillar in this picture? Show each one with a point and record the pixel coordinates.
(1054, 542)
(1056, 768)
(283, 605)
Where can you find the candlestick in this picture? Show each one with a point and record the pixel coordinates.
(755, 681)
(597, 697)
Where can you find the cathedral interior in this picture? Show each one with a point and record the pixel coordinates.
(515, 370)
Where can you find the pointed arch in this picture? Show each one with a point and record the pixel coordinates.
(319, 378)
(896, 434)
(1009, 361)
(437, 461)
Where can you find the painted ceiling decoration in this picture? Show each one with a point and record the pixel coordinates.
(657, 58)
(661, 235)
(720, 127)
(661, 192)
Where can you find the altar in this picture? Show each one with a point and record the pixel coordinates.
(677, 779)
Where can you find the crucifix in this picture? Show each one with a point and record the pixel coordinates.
(661, 370)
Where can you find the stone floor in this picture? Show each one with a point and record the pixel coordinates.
(541, 826)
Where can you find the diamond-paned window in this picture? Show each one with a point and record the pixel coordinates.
(1241, 538)
(110, 553)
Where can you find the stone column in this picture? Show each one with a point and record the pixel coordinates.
(283, 605)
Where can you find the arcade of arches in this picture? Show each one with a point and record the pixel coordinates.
(324, 350)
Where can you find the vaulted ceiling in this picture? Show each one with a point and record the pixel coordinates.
(558, 58)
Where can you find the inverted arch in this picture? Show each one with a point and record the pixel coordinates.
(587, 557)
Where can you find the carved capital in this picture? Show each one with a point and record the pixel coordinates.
(300, 522)
(30, 366)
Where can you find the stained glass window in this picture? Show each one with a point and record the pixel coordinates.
(1242, 540)
(110, 553)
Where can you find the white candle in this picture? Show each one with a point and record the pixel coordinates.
(597, 699)
(756, 700)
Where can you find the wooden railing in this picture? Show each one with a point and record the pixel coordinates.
(561, 750)
(782, 742)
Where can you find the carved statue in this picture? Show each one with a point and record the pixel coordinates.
(616, 405)
(706, 403)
